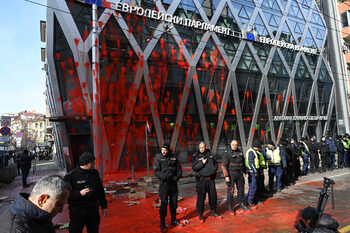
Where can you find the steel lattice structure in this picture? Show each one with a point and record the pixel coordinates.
(230, 88)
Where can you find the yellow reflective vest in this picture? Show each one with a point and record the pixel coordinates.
(275, 156)
(256, 159)
(307, 148)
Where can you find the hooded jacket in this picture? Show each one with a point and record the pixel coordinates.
(25, 217)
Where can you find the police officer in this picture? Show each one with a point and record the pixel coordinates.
(291, 150)
(86, 197)
(304, 155)
(233, 168)
(324, 151)
(314, 157)
(340, 151)
(205, 165)
(261, 191)
(252, 163)
(278, 160)
(167, 168)
(332, 151)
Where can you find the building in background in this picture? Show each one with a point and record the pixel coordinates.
(203, 70)
(344, 16)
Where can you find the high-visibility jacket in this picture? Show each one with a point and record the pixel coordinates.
(275, 156)
(256, 159)
(306, 147)
(346, 145)
(262, 162)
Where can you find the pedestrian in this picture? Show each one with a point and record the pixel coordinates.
(252, 163)
(26, 163)
(205, 166)
(276, 165)
(33, 213)
(167, 168)
(234, 170)
(86, 197)
(324, 151)
(314, 157)
(340, 151)
(332, 151)
(305, 152)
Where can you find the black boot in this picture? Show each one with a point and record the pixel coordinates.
(162, 225)
(201, 219)
(243, 207)
(214, 214)
(174, 222)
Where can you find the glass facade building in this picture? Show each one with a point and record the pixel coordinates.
(189, 84)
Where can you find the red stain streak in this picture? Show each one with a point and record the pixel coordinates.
(76, 41)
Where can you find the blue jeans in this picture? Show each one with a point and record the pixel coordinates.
(331, 159)
(305, 164)
(25, 173)
(252, 187)
(278, 171)
(346, 158)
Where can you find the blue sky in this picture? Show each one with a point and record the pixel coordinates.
(21, 79)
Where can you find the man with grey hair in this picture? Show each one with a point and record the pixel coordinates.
(33, 213)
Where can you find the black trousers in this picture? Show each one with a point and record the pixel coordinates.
(168, 190)
(88, 217)
(203, 187)
(25, 174)
(314, 162)
(288, 174)
(340, 160)
(296, 168)
(238, 179)
(260, 185)
(325, 161)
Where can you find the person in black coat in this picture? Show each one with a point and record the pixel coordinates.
(167, 168)
(340, 151)
(86, 197)
(26, 163)
(234, 170)
(314, 157)
(324, 151)
(205, 165)
(34, 213)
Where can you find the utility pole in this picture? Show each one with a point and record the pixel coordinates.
(97, 118)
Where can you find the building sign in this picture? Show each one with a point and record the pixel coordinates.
(300, 118)
(283, 44)
(196, 24)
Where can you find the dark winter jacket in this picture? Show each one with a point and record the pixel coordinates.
(167, 168)
(324, 148)
(313, 147)
(80, 179)
(25, 217)
(233, 161)
(26, 160)
(331, 145)
(340, 146)
(204, 170)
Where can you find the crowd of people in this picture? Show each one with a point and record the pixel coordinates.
(285, 163)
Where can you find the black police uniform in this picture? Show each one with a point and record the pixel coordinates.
(206, 174)
(296, 153)
(168, 170)
(340, 151)
(314, 159)
(84, 210)
(290, 163)
(233, 166)
(324, 151)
